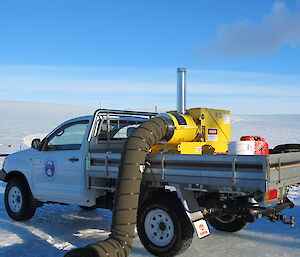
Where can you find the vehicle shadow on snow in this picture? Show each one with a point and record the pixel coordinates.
(30, 244)
(278, 234)
(55, 229)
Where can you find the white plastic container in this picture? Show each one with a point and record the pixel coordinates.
(241, 147)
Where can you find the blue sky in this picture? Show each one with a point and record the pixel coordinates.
(240, 55)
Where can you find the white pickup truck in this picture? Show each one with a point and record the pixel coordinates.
(78, 163)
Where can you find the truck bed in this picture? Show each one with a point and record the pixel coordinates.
(232, 173)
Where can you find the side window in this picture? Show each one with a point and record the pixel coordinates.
(125, 132)
(116, 129)
(68, 137)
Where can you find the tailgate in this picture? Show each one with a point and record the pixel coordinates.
(284, 171)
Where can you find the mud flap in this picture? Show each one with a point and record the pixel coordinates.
(201, 228)
(192, 210)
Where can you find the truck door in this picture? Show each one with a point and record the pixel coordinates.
(58, 169)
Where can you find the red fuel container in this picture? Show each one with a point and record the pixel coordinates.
(261, 146)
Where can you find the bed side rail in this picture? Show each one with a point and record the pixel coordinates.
(222, 172)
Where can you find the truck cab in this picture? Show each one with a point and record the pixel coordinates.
(54, 170)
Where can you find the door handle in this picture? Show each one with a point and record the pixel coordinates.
(73, 159)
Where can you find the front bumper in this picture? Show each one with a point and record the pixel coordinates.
(2, 175)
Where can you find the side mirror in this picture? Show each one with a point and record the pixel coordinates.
(36, 143)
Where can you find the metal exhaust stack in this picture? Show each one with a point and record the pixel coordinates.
(181, 84)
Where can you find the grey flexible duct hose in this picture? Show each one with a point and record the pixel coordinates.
(137, 147)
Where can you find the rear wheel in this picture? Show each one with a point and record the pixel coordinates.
(18, 200)
(163, 226)
(227, 223)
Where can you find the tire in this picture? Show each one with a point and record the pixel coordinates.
(88, 208)
(173, 234)
(227, 223)
(18, 200)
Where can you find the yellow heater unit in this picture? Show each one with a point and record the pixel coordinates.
(199, 131)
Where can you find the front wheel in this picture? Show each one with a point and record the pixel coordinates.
(18, 200)
(227, 223)
(163, 226)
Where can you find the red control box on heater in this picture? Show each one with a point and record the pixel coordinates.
(261, 146)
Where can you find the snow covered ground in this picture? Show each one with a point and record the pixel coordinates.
(55, 228)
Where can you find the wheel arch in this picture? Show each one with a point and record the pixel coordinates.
(148, 192)
(17, 174)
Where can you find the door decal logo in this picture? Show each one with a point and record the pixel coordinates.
(50, 168)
